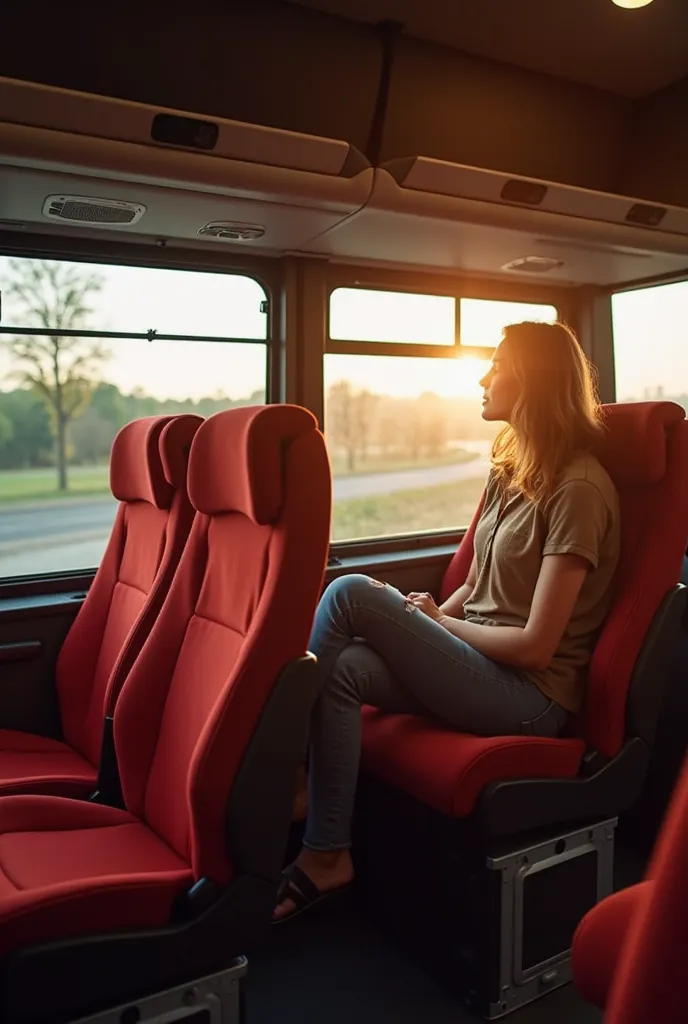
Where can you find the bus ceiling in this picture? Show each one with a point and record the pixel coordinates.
(451, 138)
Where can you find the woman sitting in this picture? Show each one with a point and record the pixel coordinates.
(507, 653)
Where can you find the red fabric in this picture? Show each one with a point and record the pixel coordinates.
(448, 770)
(175, 443)
(645, 450)
(633, 448)
(136, 472)
(598, 941)
(654, 531)
(33, 764)
(147, 539)
(240, 608)
(257, 490)
(68, 867)
(648, 982)
(457, 570)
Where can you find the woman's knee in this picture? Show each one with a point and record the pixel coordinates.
(353, 661)
(352, 588)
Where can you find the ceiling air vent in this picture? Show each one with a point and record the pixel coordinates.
(232, 232)
(86, 210)
(534, 264)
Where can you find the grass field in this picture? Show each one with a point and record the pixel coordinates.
(433, 508)
(41, 484)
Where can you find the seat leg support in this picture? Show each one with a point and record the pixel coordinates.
(215, 999)
(492, 919)
(546, 887)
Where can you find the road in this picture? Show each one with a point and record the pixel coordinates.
(57, 536)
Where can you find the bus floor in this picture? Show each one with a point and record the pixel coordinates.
(333, 965)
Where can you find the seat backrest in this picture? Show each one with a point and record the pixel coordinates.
(648, 980)
(645, 451)
(240, 608)
(148, 467)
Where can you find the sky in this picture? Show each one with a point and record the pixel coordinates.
(651, 341)
(649, 336)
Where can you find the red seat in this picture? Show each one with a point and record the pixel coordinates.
(629, 952)
(599, 939)
(645, 450)
(648, 980)
(208, 743)
(148, 477)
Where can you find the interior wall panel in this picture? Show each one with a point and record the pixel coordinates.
(465, 109)
(656, 167)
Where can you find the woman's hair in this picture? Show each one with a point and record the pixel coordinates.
(556, 414)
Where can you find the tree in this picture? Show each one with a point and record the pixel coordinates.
(6, 430)
(31, 441)
(349, 418)
(62, 371)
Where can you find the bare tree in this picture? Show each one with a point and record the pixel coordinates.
(62, 371)
(349, 419)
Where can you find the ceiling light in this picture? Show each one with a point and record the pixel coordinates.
(533, 264)
(631, 4)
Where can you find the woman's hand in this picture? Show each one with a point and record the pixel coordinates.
(426, 604)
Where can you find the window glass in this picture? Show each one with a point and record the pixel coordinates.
(408, 445)
(56, 510)
(361, 314)
(483, 320)
(650, 349)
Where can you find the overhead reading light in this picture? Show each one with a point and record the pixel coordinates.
(534, 264)
(631, 4)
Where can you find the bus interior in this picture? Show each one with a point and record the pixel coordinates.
(254, 260)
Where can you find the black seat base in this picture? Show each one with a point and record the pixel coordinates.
(215, 999)
(492, 918)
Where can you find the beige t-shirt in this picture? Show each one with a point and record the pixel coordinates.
(581, 518)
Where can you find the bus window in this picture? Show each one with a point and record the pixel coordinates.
(482, 320)
(361, 314)
(63, 397)
(408, 445)
(650, 352)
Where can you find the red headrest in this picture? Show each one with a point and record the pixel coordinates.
(175, 447)
(237, 457)
(633, 450)
(136, 471)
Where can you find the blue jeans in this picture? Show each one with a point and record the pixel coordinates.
(373, 649)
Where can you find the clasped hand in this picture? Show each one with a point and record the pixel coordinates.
(426, 604)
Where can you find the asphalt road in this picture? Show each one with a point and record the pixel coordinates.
(56, 536)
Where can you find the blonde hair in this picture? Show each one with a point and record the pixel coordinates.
(557, 412)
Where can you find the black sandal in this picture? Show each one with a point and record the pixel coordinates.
(297, 887)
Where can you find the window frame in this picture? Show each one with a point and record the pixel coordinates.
(70, 586)
(424, 283)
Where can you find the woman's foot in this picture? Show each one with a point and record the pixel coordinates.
(327, 873)
(299, 810)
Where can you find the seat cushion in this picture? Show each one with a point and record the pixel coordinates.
(446, 769)
(598, 941)
(36, 764)
(71, 868)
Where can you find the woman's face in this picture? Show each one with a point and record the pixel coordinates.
(500, 387)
